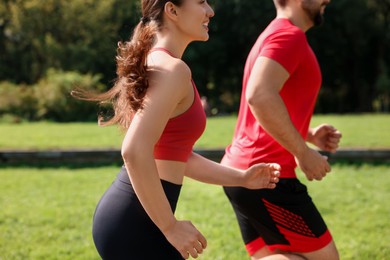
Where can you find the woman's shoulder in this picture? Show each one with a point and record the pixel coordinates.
(179, 69)
(167, 68)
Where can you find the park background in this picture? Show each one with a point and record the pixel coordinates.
(47, 47)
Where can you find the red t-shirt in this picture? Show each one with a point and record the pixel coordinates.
(286, 44)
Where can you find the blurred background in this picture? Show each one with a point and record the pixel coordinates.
(47, 47)
(55, 162)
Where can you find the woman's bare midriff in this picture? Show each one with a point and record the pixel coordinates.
(171, 171)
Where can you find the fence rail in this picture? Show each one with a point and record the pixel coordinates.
(85, 156)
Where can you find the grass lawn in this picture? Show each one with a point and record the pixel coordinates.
(46, 213)
(359, 131)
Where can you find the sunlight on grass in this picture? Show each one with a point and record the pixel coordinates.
(359, 131)
(355, 207)
(48, 135)
(46, 213)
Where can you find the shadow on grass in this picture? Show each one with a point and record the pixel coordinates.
(81, 165)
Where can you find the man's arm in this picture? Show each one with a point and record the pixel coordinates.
(262, 94)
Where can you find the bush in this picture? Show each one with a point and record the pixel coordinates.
(17, 101)
(50, 98)
(56, 103)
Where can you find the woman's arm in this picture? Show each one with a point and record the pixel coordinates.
(138, 147)
(160, 103)
(259, 176)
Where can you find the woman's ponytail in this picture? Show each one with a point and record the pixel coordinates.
(126, 96)
(132, 77)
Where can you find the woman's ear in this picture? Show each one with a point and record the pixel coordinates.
(170, 11)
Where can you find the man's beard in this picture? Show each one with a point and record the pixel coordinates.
(318, 19)
(315, 15)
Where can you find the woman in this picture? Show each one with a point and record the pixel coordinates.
(157, 104)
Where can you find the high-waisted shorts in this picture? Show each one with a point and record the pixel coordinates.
(123, 230)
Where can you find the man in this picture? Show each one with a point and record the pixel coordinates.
(281, 82)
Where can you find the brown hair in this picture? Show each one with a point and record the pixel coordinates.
(127, 94)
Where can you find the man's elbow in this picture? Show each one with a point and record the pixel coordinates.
(255, 100)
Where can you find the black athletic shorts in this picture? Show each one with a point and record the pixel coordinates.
(123, 230)
(283, 218)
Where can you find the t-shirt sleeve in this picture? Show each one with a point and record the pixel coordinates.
(286, 48)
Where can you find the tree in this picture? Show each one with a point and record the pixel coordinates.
(72, 35)
(218, 64)
(352, 46)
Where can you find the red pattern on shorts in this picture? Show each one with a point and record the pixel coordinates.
(294, 229)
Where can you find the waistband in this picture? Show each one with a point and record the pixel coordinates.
(172, 190)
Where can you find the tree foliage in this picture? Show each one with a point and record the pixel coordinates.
(353, 47)
(69, 35)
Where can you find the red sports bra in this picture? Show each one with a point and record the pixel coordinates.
(182, 131)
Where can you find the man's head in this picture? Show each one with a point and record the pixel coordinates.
(309, 10)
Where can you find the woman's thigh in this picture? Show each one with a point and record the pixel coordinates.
(123, 230)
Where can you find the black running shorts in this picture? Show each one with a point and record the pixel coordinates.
(283, 218)
(123, 230)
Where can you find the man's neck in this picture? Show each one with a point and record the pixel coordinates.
(296, 16)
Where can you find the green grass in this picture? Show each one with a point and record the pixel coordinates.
(46, 213)
(48, 135)
(359, 131)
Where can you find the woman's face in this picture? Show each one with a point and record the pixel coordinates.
(193, 19)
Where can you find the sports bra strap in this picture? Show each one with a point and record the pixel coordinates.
(162, 49)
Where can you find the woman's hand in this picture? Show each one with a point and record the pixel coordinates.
(184, 236)
(262, 176)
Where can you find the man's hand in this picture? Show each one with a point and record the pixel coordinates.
(325, 137)
(314, 165)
